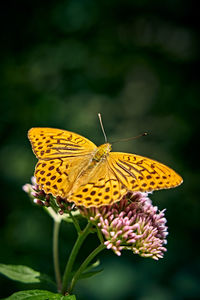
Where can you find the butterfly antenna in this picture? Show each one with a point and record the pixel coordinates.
(131, 138)
(101, 123)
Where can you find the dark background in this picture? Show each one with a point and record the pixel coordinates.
(137, 63)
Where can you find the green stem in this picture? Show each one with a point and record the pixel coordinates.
(76, 224)
(56, 255)
(99, 234)
(84, 265)
(68, 270)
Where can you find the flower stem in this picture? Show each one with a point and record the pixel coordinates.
(76, 224)
(99, 234)
(67, 273)
(56, 255)
(84, 265)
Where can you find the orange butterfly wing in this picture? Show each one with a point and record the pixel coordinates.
(50, 143)
(140, 173)
(62, 155)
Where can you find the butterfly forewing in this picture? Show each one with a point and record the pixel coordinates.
(48, 143)
(139, 173)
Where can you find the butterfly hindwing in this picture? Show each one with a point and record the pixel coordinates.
(103, 188)
(57, 176)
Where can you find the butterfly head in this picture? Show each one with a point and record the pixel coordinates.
(102, 151)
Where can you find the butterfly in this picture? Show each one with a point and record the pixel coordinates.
(74, 168)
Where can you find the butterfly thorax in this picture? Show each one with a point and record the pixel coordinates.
(102, 151)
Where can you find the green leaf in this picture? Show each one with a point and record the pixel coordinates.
(39, 295)
(92, 266)
(89, 274)
(23, 274)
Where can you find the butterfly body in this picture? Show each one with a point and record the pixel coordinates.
(74, 168)
(102, 151)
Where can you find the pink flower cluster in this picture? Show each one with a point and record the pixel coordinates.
(40, 198)
(132, 224)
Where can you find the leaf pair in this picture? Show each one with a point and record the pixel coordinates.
(27, 275)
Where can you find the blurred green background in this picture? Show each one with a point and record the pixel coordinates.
(136, 62)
